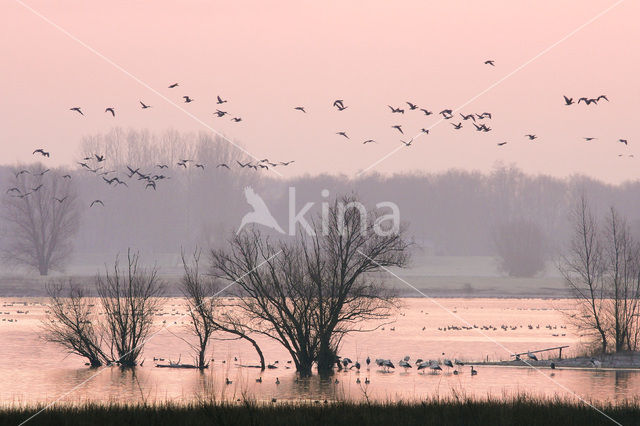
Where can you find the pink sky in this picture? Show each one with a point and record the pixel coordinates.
(268, 57)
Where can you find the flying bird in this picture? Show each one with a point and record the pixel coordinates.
(423, 130)
(342, 134)
(236, 119)
(531, 137)
(368, 141)
(220, 113)
(111, 110)
(457, 126)
(200, 166)
(407, 143)
(398, 127)
(21, 172)
(446, 113)
(221, 101)
(96, 202)
(144, 106)
(187, 99)
(396, 110)
(568, 101)
(60, 200)
(501, 143)
(41, 152)
(222, 165)
(589, 139)
(173, 85)
(466, 117)
(624, 141)
(76, 109)
(490, 62)
(286, 163)
(161, 166)
(412, 106)
(66, 177)
(299, 108)
(602, 97)
(37, 188)
(426, 112)
(99, 158)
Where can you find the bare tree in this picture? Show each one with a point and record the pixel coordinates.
(622, 280)
(129, 300)
(340, 257)
(73, 324)
(583, 269)
(309, 292)
(41, 217)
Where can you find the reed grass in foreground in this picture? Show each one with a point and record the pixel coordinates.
(519, 411)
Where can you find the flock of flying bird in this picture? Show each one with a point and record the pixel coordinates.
(151, 178)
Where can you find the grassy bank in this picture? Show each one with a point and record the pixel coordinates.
(521, 411)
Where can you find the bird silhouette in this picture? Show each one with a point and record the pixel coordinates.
(342, 134)
(66, 177)
(501, 143)
(143, 105)
(260, 214)
(396, 110)
(426, 112)
(407, 143)
(490, 62)
(174, 85)
(221, 101)
(423, 130)
(222, 165)
(398, 127)
(368, 141)
(201, 166)
(236, 119)
(531, 137)
(96, 202)
(76, 109)
(457, 126)
(162, 166)
(221, 113)
(60, 200)
(589, 139)
(568, 101)
(99, 158)
(446, 113)
(187, 99)
(466, 117)
(41, 152)
(286, 163)
(338, 103)
(111, 110)
(412, 106)
(602, 97)
(624, 141)
(299, 108)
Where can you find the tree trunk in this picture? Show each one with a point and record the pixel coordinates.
(326, 360)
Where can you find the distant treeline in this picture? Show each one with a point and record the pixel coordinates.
(452, 213)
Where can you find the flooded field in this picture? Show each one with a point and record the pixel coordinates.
(470, 330)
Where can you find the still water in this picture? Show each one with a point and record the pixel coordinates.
(32, 370)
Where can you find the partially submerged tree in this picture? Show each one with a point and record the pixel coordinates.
(309, 292)
(73, 324)
(129, 300)
(41, 217)
(208, 312)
